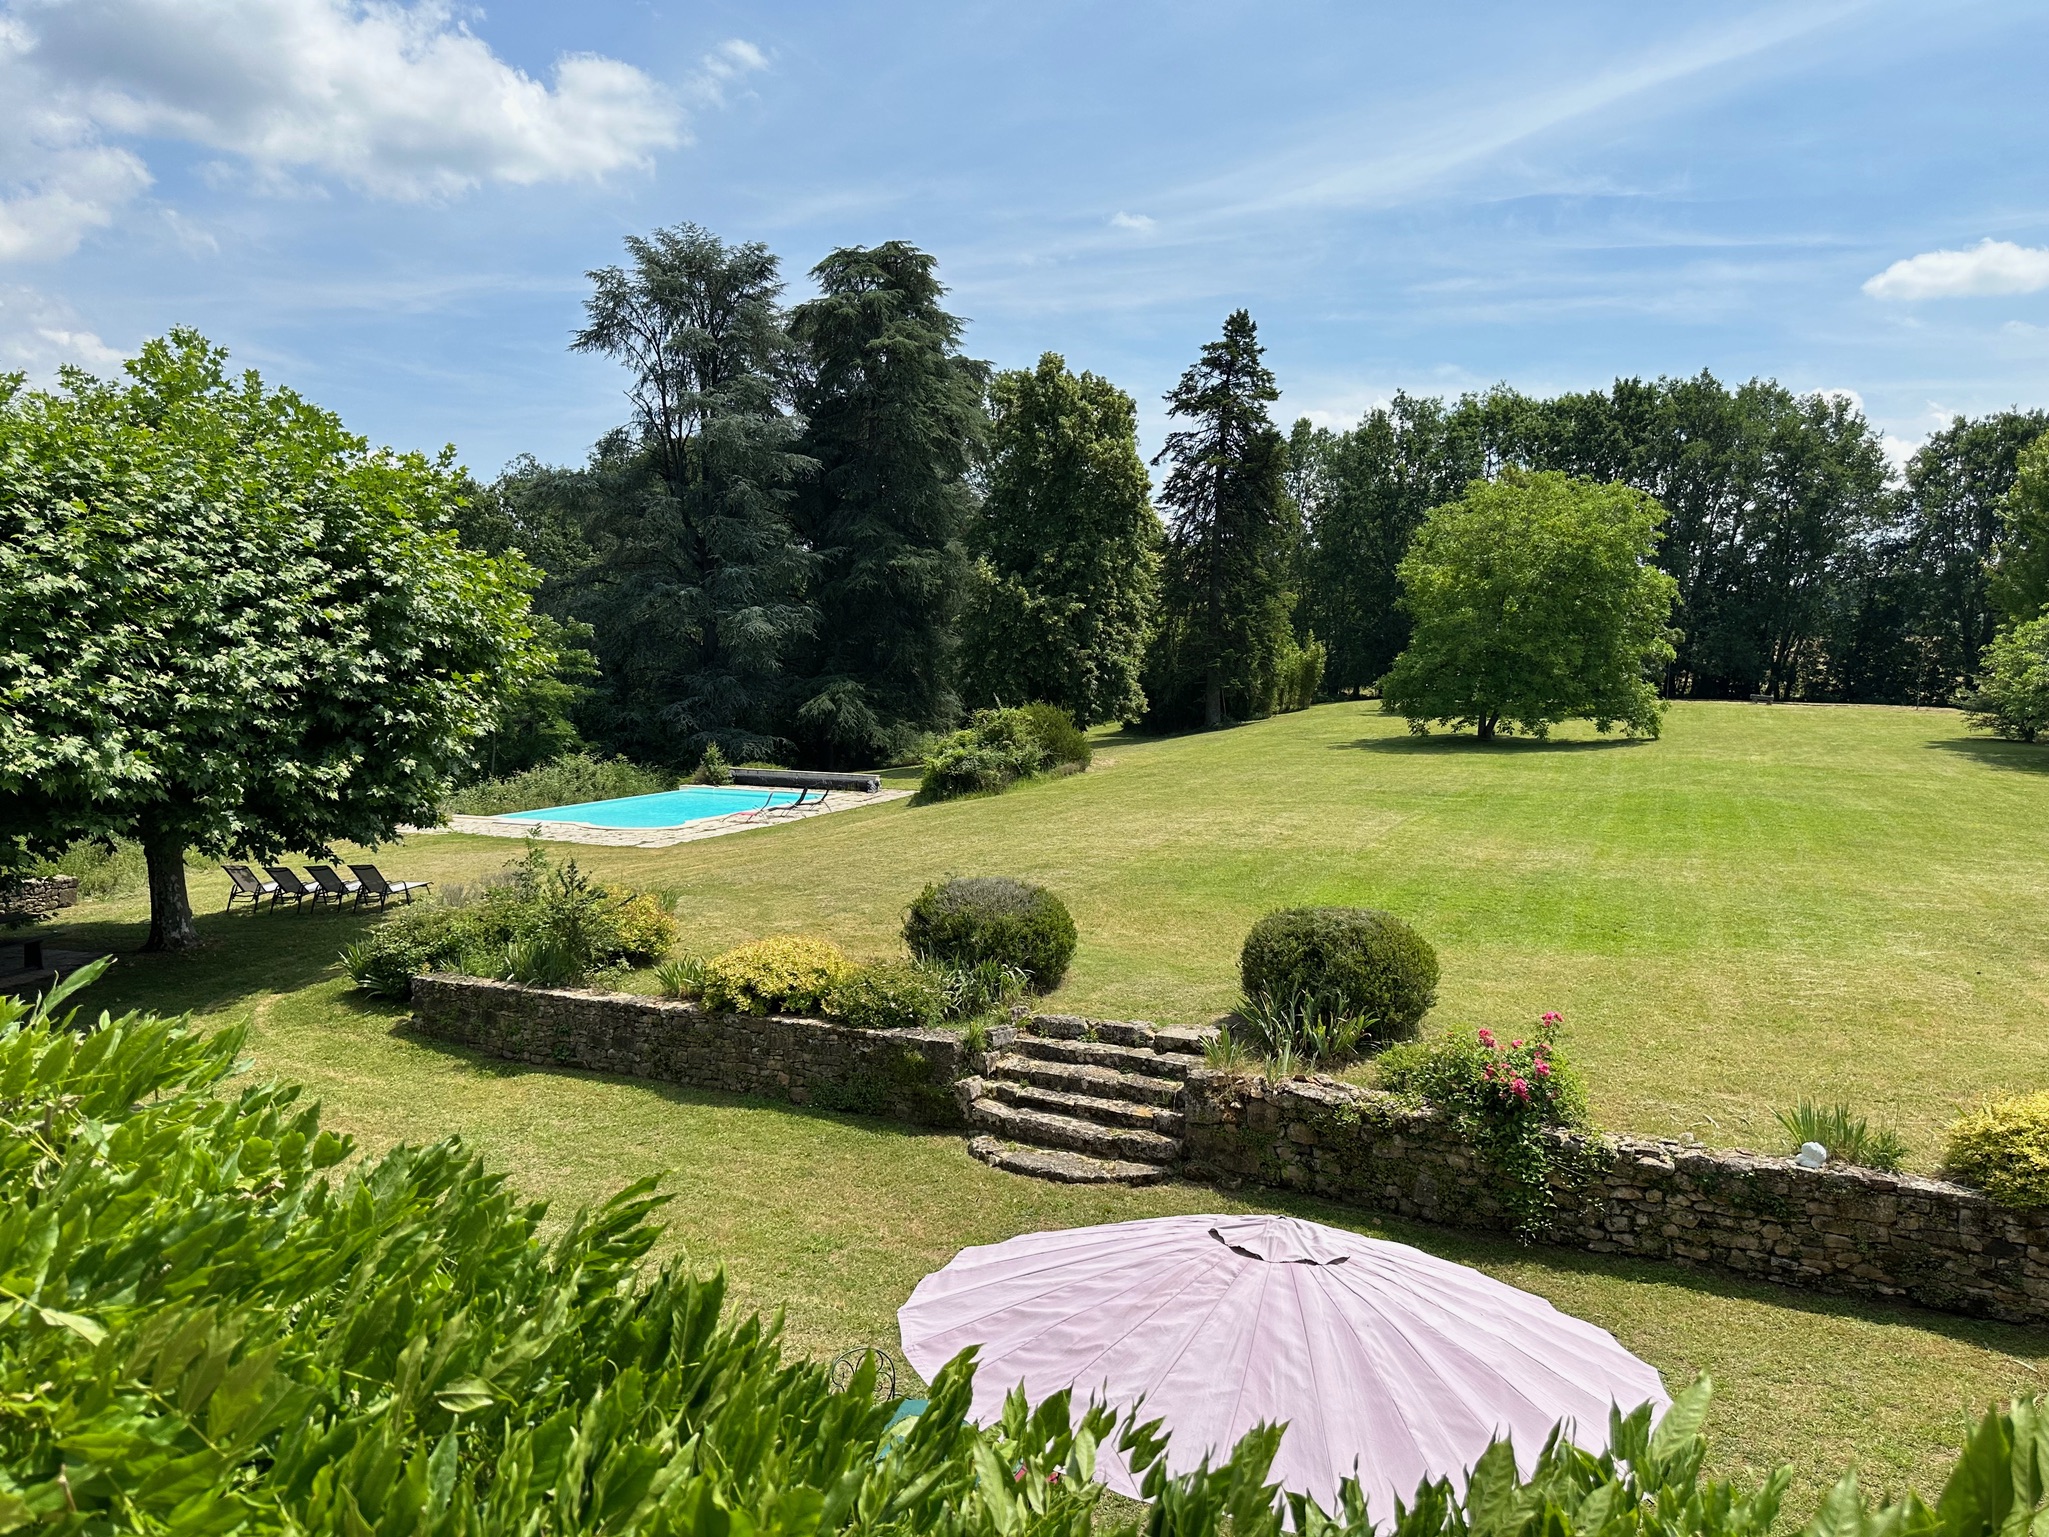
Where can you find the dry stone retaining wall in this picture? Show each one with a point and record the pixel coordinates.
(1833, 1229)
(907, 1075)
(1851, 1231)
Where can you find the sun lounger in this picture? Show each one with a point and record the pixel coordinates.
(245, 887)
(375, 885)
(332, 887)
(290, 888)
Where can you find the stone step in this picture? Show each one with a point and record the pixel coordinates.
(1182, 1040)
(1080, 1078)
(1067, 1168)
(1142, 1060)
(1045, 1129)
(1087, 1107)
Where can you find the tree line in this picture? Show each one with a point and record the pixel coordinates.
(825, 532)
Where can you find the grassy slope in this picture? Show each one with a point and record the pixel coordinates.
(1769, 902)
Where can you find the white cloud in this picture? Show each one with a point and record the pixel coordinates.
(1989, 267)
(396, 100)
(1132, 221)
(37, 333)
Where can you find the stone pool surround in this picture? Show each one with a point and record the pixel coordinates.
(659, 837)
(1846, 1231)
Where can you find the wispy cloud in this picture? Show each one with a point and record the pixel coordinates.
(1141, 223)
(1989, 267)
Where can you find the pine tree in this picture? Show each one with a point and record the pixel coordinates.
(1067, 546)
(1224, 628)
(895, 413)
(696, 591)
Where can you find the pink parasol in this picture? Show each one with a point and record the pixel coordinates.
(1384, 1361)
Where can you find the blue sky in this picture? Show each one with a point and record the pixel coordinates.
(391, 207)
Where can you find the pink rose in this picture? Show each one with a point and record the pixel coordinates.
(1543, 1070)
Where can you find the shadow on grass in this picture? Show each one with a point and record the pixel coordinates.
(239, 956)
(2021, 757)
(1443, 742)
(485, 1065)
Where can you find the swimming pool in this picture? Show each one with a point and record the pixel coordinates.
(664, 808)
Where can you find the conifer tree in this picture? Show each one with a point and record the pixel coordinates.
(894, 415)
(697, 581)
(1067, 549)
(1224, 627)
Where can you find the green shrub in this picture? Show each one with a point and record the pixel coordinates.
(785, 975)
(567, 781)
(712, 768)
(2003, 1149)
(230, 1323)
(2012, 699)
(540, 924)
(1353, 962)
(1303, 1035)
(992, 752)
(889, 995)
(1848, 1138)
(983, 988)
(104, 869)
(1063, 742)
(964, 922)
(1506, 1099)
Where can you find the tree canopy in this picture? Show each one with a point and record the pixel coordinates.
(1067, 547)
(696, 586)
(2020, 571)
(1534, 601)
(1224, 631)
(894, 416)
(227, 625)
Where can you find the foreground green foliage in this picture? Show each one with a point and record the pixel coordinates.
(2003, 1148)
(993, 920)
(1534, 602)
(226, 624)
(208, 1328)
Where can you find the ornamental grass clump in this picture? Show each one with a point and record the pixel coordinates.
(1351, 963)
(963, 922)
(1847, 1136)
(2003, 1149)
(1509, 1100)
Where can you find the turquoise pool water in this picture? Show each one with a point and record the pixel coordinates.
(665, 808)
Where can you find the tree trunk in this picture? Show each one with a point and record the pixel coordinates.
(1213, 697)
(170, 906)
(1485, 729)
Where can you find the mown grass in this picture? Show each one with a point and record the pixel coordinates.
(1764, 905)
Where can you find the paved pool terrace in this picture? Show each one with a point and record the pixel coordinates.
(696, 817)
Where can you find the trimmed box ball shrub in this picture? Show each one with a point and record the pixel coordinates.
(785, 975)
(2003, 1149)
(964, 922)
(1355, 959)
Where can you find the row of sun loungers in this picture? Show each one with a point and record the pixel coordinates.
(321, 883)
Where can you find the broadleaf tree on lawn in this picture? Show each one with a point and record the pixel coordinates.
(228, 625)
(1534, 601)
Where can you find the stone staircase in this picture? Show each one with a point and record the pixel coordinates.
(1083, 1101)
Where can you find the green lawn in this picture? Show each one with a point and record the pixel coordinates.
(1768, 902)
